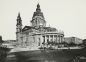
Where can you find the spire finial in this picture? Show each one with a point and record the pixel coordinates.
(18, 17)
(38, 8)
(18, 14)
(19, 21)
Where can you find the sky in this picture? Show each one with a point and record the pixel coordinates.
(66, 15)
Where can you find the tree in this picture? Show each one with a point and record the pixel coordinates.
(84, 42)
(65, 43)
(1, 39)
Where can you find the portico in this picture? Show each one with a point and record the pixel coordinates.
(54, 37)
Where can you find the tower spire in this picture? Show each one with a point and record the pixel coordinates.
(19, 23)
(19, 17)
(38, 8)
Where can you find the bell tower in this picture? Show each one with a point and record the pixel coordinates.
(19, 24)
(18, 28)
(38, 18)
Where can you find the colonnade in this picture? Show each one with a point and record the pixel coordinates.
(53, 38)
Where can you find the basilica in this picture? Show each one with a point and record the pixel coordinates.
(37, 34)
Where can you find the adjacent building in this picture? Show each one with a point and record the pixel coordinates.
(73, 39)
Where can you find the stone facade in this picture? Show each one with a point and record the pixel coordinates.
(73, 39)
(37, 34)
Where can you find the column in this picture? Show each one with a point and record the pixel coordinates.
(45, 39)
(49, 38)
(53, 38)
(56, 39)
(41, 39)
(59, 38)
(62, 39)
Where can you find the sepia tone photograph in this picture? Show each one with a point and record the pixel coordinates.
(42, 30)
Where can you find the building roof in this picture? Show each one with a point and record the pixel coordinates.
(50, 28)
(27, 28)
(45, 28)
